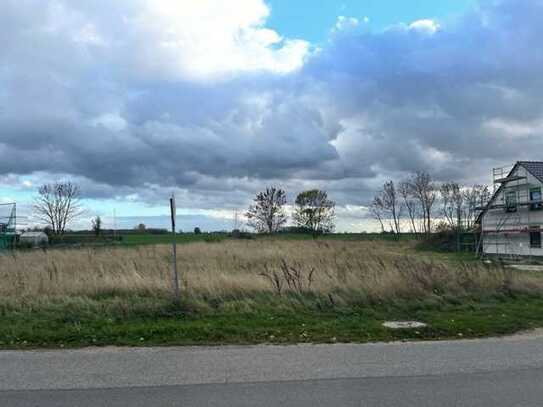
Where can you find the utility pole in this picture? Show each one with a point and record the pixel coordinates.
(236, 220)
(174, 251)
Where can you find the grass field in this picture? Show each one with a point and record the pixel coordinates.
(134, 239)
(139, 239)
(261, 290)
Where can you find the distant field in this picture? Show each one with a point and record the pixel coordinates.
(138, 239)
(150, 239)
(130, 239)
(141, 239)
(343, 236)
(257, 290)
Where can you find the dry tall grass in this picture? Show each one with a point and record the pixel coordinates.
(344, 272)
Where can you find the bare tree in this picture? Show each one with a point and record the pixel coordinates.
(376, 209)
(425, 192)
(460, 204)
(475, 197)
(57, 205)
(410, 203)
(267, 214)
(453, 204)
(387, 203)
(315, 211)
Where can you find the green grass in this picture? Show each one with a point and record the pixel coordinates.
(150, 239)
(139, 319)
(136, 321)
(342, 236)
(137, 239)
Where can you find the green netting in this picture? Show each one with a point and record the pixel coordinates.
(8, 225)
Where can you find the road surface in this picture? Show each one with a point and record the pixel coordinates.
(491, 372)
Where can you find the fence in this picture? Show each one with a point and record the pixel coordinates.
(8, 225)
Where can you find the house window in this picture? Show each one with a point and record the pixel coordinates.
(535, 237)
(511, 201)
(535, 198)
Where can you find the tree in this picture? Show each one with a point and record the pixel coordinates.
(452, 199)
(58, 205)
(97, 226)
(460, 204)
(424, 190)
(141, 227)
(48, 231)
(197, 231)
(267, 214)
(475, 197)
(376, 210)
(410, 203)
(315, 211)
(387, 205)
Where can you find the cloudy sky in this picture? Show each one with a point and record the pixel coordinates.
(214, 100)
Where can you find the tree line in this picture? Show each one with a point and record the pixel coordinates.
(417, 200)
(59, 204)
(410, 205)
(313, 211)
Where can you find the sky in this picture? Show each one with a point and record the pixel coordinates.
(213, 101)
(302, 19)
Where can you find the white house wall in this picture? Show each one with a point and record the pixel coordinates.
(498, 219)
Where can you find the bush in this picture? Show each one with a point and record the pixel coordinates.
(237, 234)
(24, 245)
(447, 240)
(296, 229)
(212, 238)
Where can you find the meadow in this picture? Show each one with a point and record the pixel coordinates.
(134, 239)
(257, 290)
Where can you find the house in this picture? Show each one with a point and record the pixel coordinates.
(512, 221)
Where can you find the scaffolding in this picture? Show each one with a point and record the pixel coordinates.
(511, 207)
(8, 225)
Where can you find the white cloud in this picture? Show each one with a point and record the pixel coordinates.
(111, 121)
(211, 38)
(425, 26)
(346, 23)
(513, 128)
(88, 35)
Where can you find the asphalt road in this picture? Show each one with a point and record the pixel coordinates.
(494, 372)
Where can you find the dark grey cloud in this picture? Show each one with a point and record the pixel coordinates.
(86, 92)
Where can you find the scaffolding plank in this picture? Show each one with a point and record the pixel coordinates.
(509, 179)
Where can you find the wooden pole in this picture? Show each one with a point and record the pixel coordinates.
(174, 252)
